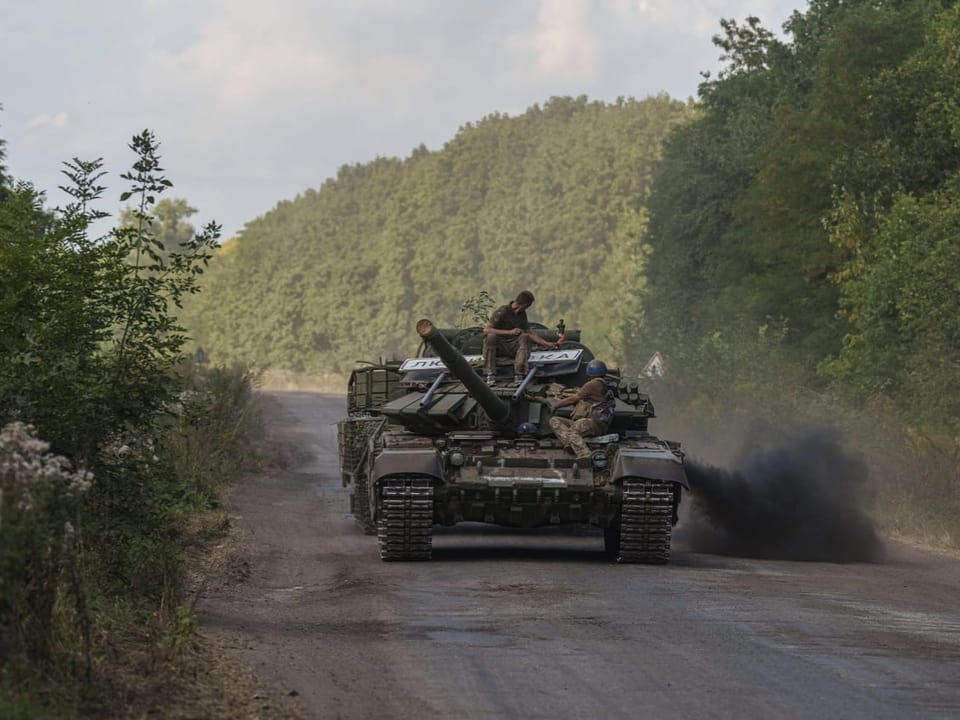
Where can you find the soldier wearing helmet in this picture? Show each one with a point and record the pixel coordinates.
(595, 403)
(508, 334)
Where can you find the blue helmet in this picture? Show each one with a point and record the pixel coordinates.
(596, 368)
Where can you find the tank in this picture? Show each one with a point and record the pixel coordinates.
(427, 442)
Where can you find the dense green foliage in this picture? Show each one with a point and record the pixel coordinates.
(814, 201)
(802, 247)
(552, 200)
(106, 444)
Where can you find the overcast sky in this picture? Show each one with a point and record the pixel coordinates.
(254, 102)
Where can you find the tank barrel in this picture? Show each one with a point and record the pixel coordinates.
(496, 409)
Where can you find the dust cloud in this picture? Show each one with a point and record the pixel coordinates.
(795, 497)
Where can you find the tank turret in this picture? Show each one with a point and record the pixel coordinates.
(497, 410)
(444, 391)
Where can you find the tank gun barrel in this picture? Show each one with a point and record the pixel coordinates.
(496, 409)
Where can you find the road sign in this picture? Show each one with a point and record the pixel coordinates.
(655, 366)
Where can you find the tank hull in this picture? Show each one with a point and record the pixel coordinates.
(534, 482)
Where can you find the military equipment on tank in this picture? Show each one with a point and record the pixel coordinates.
(427, 442)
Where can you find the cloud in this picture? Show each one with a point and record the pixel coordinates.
(699, 18)
(247, 61)
(244, 57)
(47, 121)
(563, 45)
(647, 17)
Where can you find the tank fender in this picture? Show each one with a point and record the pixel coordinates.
(402, 461)
(653, 463)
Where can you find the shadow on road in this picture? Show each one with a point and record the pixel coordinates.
(517, 553)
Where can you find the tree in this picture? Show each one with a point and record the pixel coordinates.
(5, 181)
(167, 222)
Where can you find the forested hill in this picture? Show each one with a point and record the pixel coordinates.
(552, 200)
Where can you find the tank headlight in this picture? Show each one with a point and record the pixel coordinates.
(599, 459)
(456, 458)
(526, 428)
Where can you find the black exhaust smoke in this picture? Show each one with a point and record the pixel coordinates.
(798, 499)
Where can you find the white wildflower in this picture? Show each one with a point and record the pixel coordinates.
(114, 448)
(26, 465)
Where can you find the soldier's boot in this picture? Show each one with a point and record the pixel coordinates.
(579, 447)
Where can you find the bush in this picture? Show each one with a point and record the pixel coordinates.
(93, 363)
(42, 603)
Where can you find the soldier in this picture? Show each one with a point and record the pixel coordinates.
(595, 403)
(508, 334)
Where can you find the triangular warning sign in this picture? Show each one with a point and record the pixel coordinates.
(655, 366)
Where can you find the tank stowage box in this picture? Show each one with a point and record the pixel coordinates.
(427, 442)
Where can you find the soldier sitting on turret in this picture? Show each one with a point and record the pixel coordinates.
(595, 403)
(508, 334)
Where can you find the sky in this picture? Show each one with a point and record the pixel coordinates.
(255, 102)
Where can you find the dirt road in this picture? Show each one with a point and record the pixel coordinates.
(539, 625)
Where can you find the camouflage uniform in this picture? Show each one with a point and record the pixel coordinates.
(582, 422)
(516, 346)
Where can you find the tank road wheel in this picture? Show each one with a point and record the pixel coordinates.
(360, 503)
(405, 518)
(646, 521)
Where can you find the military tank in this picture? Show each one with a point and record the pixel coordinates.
(427, 442)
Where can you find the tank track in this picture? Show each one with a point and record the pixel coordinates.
(355, 437)
(360, 503)
(405, 522)
(646, 521)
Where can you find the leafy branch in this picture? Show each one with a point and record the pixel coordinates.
(147, 276)
(477, 308)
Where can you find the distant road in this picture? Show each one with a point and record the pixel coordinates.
(540, 625)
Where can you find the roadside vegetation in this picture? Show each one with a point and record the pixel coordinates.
(801, 253)
(115, 450)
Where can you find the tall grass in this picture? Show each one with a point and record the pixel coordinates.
(92, 572)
